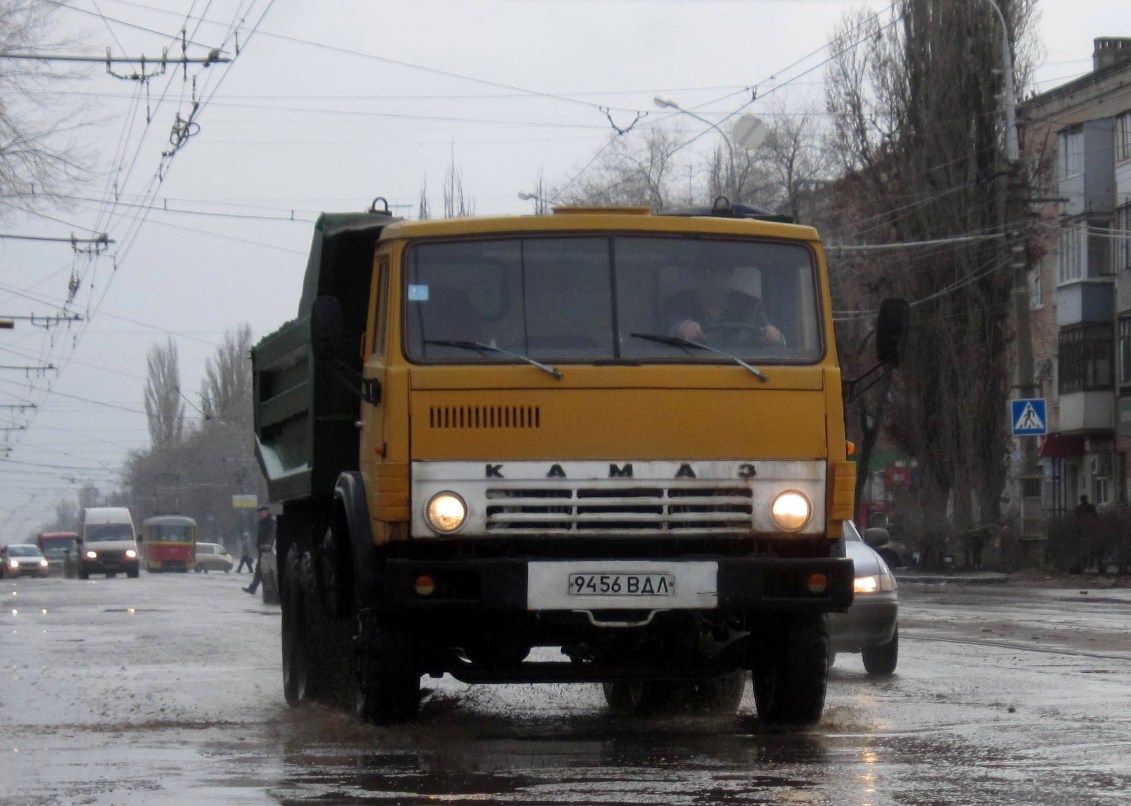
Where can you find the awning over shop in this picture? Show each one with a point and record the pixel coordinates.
(1060, 446)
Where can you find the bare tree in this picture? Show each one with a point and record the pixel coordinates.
(226, 390)
(456, 204)
(35, 158)
(163, 408)
(630, 172)
(422, 210)
(918, 125)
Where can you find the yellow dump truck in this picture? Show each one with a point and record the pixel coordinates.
(598, 446)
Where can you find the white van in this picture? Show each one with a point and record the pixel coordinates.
(109, 543)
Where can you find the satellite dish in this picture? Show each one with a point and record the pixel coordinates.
(750, 132)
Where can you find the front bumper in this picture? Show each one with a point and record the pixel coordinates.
(870, 622)
(504, 585)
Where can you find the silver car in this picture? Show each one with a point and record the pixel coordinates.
(212, 557)
(870, 626)
(22, 560)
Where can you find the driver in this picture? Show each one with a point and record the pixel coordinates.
(691, 314)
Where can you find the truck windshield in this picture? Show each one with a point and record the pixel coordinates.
(631, 298)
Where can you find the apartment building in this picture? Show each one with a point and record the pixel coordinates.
(1076, 153)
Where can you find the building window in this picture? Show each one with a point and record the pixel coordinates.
(1072, 255)
(1123, 137)
(1085, 358)
(1123, 238)
(1124, 348)
(1070, 153)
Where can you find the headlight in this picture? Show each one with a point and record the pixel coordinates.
(13, 564)
(445, 512)
(92, 555)
(43, 563)
(791, 510)
(131, 553)
(866, 585)
(873, 584)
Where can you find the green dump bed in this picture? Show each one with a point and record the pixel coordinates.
(304, 411)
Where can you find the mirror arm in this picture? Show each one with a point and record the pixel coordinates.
(851, 385)
(369, 390)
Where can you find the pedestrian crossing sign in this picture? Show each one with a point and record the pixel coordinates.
(1028, 417)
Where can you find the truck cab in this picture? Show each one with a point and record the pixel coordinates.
(615, 434)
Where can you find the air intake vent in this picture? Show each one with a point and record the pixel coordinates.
(485, 417)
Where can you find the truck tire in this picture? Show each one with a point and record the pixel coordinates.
(881, 661)
(387, 688)
(791, 673)
(639, 697)
(297, 680)
(719, 696)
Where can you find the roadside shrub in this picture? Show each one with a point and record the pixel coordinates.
(1090, 543)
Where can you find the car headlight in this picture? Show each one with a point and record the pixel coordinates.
(92, 555)
(445, 512)
(43, 563)
(874, 584)
(131, 553)
(791, 510)
(13, 564)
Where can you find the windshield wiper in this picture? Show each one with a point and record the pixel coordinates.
(676, 341)
(467, 344)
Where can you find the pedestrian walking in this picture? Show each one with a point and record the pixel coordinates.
(264, 537)
(247, 553)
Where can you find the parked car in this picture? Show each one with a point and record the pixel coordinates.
(870, 626)
(22, 560)
(212, 557)
(269, 576)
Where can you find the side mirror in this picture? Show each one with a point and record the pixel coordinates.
(891, 331)
(327, 326)
(139, 538)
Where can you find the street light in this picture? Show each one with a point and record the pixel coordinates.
(1012, 151)
(540, 202)
(664, 102)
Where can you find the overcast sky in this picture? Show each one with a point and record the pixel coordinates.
(326, 106)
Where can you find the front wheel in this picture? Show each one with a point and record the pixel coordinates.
(387, 687)
(881, 661)
(791, 672)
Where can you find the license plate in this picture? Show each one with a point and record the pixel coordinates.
(582, 584)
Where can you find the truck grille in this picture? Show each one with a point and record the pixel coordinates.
(614, 508)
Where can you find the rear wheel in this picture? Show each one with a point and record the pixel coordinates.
(387, 689)
(297, 681)
(719, 696)
(881, 661)
(638, 697)
(791, 672)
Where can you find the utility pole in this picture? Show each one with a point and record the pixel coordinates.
(1014, 214)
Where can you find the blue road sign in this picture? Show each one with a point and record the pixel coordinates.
(1028, 417)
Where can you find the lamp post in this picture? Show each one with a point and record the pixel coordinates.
(1012, 151)
(664, 102)
(541, 203)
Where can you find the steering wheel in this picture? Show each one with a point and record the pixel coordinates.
(734, 328)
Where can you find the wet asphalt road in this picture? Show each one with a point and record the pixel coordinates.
(167, 690)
